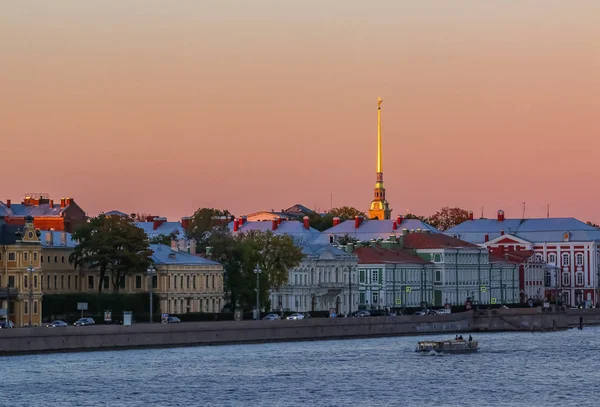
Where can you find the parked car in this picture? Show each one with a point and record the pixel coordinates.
(423, 312)
(295, 315)
(271, 317)
(57, 324)
(172, 320)
(6, 325)
(84, 322)
(362, 313)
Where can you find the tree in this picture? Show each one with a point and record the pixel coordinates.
(111, 246)
(320, 222)
(447, 218)
(592, 224)
(206, 220)
(346, 212)
(418, 217)
(140, 217)
(163, 239)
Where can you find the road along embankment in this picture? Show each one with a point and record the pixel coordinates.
(105, 337)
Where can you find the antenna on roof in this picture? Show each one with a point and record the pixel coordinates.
(482, 212)
(548, 210)
(523, 217)
(330, 201)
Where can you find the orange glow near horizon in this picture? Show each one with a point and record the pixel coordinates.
(147, 106)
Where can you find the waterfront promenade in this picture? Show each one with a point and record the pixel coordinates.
(107, 337)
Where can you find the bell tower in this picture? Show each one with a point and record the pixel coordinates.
(379, 208)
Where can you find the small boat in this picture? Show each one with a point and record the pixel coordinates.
(448, 346)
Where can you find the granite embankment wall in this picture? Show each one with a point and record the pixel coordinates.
(104, 337)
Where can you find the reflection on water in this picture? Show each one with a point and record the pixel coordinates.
(511, 369)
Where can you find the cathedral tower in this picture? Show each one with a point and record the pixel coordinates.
(379, 208)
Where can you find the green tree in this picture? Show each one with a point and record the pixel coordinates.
(418, 217)
(204, 222)
(163, 239)
(321, 222)
(447, 218)
(111, 246)
(346, 212)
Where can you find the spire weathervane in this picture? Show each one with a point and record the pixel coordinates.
(379, 206)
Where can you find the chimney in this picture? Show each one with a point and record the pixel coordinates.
(399, 220)
(486, 238)
(8, 203)
(242, 220)
(357, 221)
(68, 201)
(49, 238)
(502, 232)
(193, 247)
(62, 202)
(157, 221)
(500, 215)
(405, 232)
(236, 224)
(51, 204)
(274, 224)
(306, 222)
(185, 222)
(63, 238)
(394, 225)
(278, 221)
(350, 248)
(336, 221)
(174, 245)
(470, 215)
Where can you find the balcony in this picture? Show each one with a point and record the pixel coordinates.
(12, 292)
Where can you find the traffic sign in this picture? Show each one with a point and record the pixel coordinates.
(398, 301)
(408, 289)
(82, 306)
(107, 316)
(492, 301)
(483, 289)
(164, 318)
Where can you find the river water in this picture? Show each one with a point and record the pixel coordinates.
(511, 369)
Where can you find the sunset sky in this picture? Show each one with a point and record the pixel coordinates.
(164, 107)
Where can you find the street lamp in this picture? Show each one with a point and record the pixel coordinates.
(30, 270)
(257, 271)
(151, 271)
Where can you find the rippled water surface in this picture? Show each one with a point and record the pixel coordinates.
(511, 369)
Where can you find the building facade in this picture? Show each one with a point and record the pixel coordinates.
(48, 215)
(325, 280)
(20, 288)
(566, 249)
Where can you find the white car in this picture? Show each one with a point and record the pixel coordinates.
(296, 315)
(271, 317)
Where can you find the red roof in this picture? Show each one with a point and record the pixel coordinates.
(497, 255)
(375, 255)
(433, 241)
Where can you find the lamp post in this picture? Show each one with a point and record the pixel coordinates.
(257, 271)
(151, 271)
(30, 270)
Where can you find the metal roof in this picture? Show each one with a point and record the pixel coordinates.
(41, 210)
(166, 229)
(533, 230)
(117, 213)
(292, 228)
(163, 254)
(373, 229)
(318, 249)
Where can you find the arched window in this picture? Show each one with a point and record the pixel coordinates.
(579, 259)
(182, 286)
(207, 281)
(566, 259)
(213, 281)
(62, 259)
(194, 281)
(174, 281)
(579, 278)
(566, 278)
(188, 282)
(55, 281)
(552, 258)
(56, 259)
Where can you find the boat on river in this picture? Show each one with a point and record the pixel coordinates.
(448, 346)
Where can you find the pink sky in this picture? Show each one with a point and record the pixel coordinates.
(164, 107)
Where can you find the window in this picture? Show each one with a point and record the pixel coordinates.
(188, 282)
(76, 286)
(362, 278)
(25, 281)
(25, 256)
(11, 281)
(11, 257)
(438, 276)
(181, 286)
(62, 259)
(566, 278)
(375, 297)
(548, 279)
(362, 298)
(206, 281)
(91, 282)
(175, 282)
(26, 307)
(48, 281)
(552, 258)
(579, 259)
(154, 282)
(566, 259)
(374, 276)
(34, 281)
(42, 259)
(106, 282)
(138, 282)
(48, 259)
(579, 278)
(539, 257)
(295, 279)
(55, 281)
(56, 259)
(35, 307)
(213, 281)
(34, 256)
(69, 281)
(194, 281)
(122, 282)
(62, 281)
(437, 258)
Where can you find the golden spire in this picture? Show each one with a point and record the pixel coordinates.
(379, 157)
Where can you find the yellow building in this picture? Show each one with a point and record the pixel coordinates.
(20, 285)
(183, 281)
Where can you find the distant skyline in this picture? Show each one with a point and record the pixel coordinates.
(148, 106)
